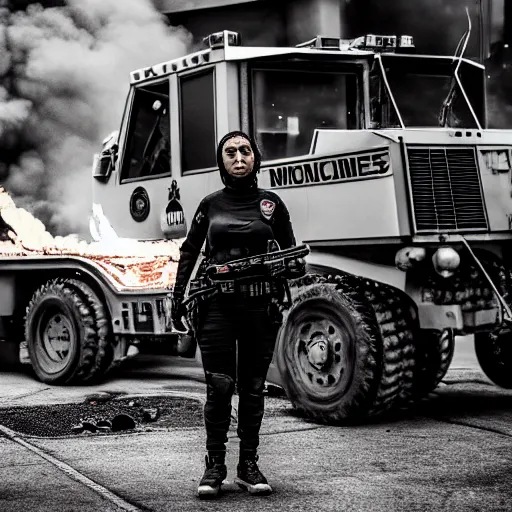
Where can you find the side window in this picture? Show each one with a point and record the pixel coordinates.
(197, 106)
(382, 111)
(148, 144)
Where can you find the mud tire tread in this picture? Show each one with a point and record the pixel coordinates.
(396, 316)
(105, 353)
(434, 355)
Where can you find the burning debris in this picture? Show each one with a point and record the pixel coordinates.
(131, 263)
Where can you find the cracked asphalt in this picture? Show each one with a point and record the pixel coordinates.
(451, 452)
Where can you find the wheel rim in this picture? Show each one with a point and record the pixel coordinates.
(56, 337)
(322, 350)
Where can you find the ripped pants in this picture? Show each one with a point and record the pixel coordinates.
(237, 338)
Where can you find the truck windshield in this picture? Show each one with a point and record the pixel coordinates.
(289, 104)
(426, 93)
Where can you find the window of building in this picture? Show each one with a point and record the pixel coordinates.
(289, 104)
(148, 143)
(197, 106)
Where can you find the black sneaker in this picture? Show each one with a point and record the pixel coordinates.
(250, 477)
(215, 473)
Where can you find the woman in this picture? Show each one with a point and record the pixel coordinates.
(235, 222)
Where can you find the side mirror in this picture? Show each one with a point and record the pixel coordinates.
(105, 162)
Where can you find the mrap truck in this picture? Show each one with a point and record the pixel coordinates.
(391, 177)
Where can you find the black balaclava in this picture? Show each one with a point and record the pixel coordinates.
(248, 182)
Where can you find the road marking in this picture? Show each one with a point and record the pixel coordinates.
(467, 423)
(71, 472)
(24, 395)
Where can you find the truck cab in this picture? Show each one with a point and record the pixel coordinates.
(355, 114)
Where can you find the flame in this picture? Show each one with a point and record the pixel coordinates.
(130, 263)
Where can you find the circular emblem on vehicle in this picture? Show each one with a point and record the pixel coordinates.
(139, 204)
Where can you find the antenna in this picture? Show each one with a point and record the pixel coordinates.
(464, 39)
(481, 31)
(448, 102)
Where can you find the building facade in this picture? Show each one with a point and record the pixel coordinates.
(437, 26)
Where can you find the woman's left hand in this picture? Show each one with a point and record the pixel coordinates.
(296, 268)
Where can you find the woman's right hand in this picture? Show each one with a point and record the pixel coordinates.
(178, 310)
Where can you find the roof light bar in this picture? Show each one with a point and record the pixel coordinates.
(222, 39)
(322, 42)
(378, 43)
(369, 42)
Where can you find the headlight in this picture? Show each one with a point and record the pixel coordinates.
(407, 257)
(446, 260)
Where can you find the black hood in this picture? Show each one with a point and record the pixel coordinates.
(247, 182)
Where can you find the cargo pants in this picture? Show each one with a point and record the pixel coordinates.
(236, 336)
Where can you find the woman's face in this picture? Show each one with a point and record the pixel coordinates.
(238, 157)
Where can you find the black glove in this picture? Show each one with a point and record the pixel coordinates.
(295, 268)
(178, 310)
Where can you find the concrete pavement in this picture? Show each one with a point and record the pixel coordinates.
(453, 452)
(30, 483)
(413, 462)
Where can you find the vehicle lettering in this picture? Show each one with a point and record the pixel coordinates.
(367, 164)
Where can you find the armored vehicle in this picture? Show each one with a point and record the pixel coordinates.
(391, 177)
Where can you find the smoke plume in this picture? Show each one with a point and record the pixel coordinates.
(64, 76)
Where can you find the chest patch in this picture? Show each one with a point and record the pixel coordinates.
(267, 208)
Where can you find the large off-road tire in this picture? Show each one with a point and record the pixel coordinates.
(434, 354)
(494, 353)
(493, 349)
(61, 334)
(103, 326)
(340, 360)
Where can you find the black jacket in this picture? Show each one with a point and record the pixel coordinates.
(234, 224)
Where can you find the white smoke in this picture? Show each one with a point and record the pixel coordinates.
(64, 76)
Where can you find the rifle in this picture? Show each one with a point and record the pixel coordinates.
(269, 264)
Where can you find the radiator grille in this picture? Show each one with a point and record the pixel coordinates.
(446, 189)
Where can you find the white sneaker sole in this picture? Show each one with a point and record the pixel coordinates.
(207, 491)
(259, 489)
